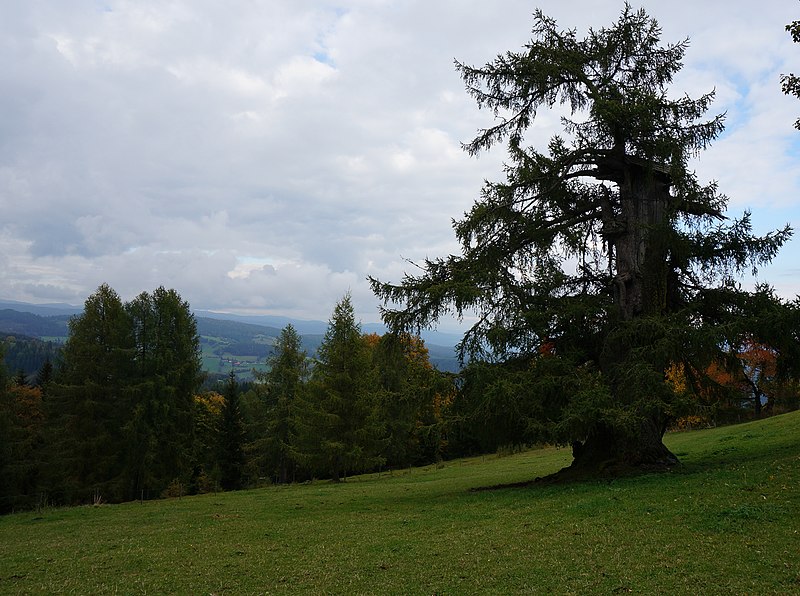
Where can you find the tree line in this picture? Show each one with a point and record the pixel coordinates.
(120, 416)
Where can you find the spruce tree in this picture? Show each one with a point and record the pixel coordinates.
(284, 385)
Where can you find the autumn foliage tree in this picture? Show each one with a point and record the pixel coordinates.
(605, 247)
(744, 381)
(21, 443)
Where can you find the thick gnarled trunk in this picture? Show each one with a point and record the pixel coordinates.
(637, 230)
(639, 244)
(608, 452)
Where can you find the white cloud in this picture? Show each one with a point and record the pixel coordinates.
(269, 156)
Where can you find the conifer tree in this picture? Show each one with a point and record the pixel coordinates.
(409, 386)
(338, 425)
(790, 83)
(231, 437)
(86, 409)
(6, 431)
(120, 408)
(284, 385)
(44, 375)
(600, 262)
(160, 395)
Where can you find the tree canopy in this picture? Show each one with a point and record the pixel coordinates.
(790, 83)
(120, 408)
(599, 262)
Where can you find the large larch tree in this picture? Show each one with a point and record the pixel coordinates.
(597, 264)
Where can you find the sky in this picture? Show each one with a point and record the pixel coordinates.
(265, 157)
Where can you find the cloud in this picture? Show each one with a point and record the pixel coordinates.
(269, 156)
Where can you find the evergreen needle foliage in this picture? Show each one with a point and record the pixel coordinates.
(338, 422)
(601, 262)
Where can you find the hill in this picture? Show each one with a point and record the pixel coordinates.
(26, 354)
(45, 310)
(33, 325)
(724, 523)
(227, 341)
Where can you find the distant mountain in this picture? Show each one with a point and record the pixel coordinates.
(44, 310)
(301, 326)
(33, 325)
(226, 338)
(308, 327)
(235, 330)
(247, 328)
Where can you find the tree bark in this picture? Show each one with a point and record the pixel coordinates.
(639, 243)
(607, 452)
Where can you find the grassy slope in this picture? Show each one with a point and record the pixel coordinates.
(726, 523)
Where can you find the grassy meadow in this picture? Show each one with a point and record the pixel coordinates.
(726, 522)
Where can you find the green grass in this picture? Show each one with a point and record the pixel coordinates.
(726, 523)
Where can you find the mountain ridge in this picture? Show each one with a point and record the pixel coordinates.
(228, 341)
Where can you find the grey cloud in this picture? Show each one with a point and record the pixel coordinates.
(269, 156)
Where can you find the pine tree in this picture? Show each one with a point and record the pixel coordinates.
(605, 249)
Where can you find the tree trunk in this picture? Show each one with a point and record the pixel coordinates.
(640, 245)
(638, 232)
(609, 453)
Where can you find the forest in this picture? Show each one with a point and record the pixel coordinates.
(121, 414)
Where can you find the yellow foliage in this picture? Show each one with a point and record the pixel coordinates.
(676, 377)
(442, 403)
(27, 404)
(211, 401)
(371, 339)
